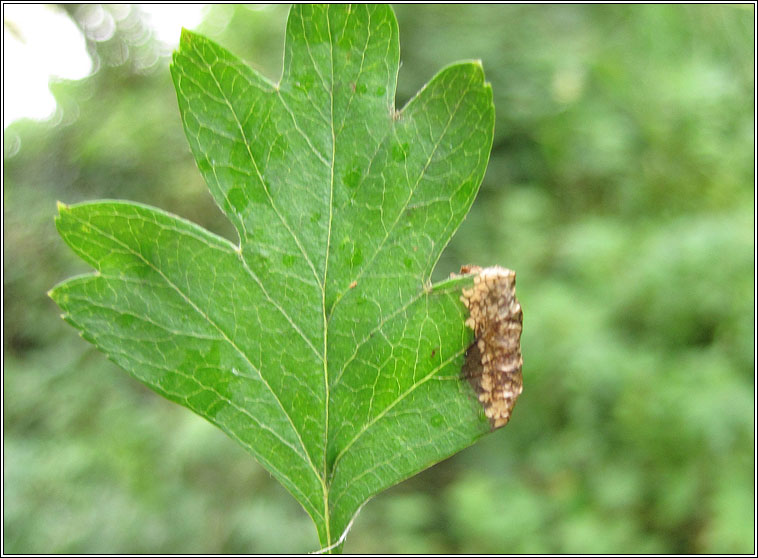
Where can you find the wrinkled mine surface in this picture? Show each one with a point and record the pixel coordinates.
(493, 361)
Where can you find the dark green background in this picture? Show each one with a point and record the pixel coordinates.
(620, 189)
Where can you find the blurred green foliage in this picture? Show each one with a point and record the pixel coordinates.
(620, 189)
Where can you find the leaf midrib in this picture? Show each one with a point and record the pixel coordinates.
(323, 289)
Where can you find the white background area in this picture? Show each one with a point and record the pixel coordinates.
(41, 42)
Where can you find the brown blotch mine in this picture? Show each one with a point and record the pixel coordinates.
(493, 361)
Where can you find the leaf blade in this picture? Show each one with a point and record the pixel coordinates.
(318, 342)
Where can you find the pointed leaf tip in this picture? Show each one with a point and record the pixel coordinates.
(186, 37)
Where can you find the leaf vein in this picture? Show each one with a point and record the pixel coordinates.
(258, 172)
(383, 413)
(305, 455)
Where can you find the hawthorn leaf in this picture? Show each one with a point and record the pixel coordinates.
(318, 341)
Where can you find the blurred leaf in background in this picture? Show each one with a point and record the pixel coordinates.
(620, 189)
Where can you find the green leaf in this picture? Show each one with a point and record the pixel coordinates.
(318, 342)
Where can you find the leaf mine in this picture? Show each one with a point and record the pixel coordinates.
(493, 361)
